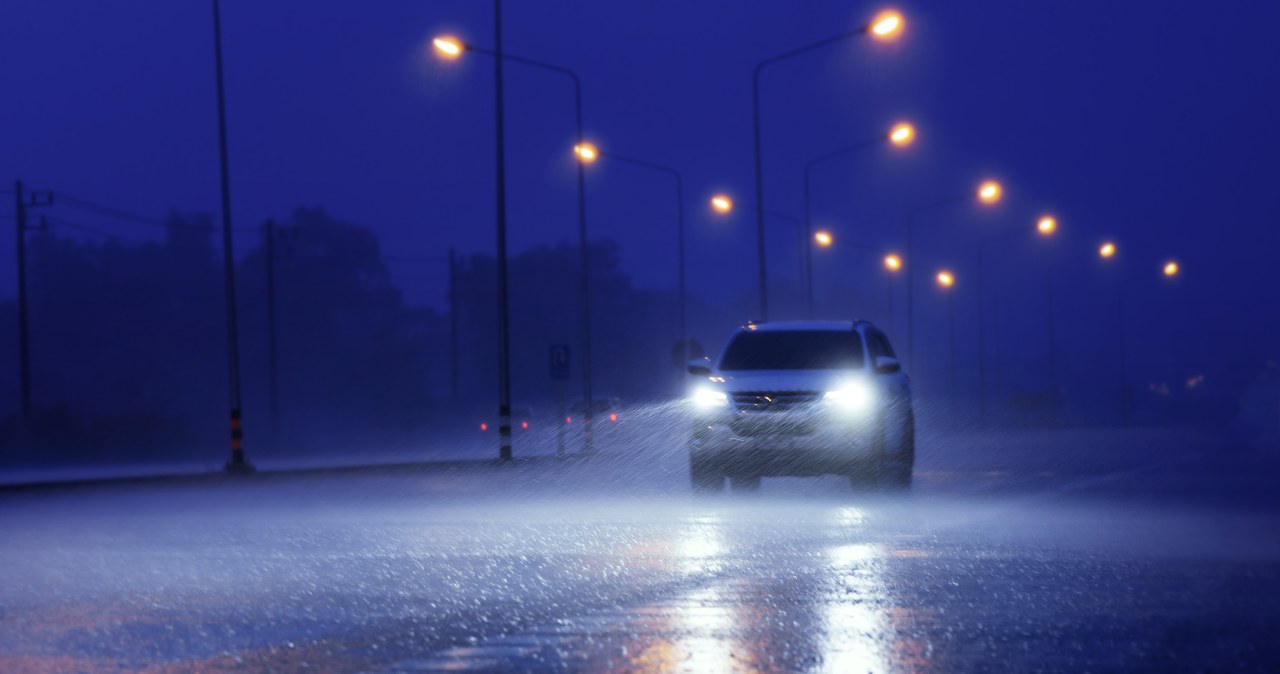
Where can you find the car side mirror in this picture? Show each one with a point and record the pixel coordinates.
(887, 365)
(700, 367)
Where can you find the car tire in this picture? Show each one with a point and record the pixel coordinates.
(896, 469)
(705, 474)
(745, 482)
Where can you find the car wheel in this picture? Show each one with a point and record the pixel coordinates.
(745, 482)
(896, 468)
(706, 475)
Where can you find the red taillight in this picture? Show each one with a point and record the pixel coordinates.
(613, 416)
(568, 420)
(484, 426)
(524, 424)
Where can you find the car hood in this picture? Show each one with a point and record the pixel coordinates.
(786, 380)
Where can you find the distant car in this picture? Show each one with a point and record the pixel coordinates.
(521, 420)
(802, 398)
(603, 410)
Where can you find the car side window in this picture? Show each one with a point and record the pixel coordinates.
(879, 345)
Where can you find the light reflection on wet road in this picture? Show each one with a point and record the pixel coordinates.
(609, 565)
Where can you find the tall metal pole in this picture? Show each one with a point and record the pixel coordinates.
(504, 332)
(761, 271)
(273, 354)
(584, 282)
(680, 242)
(759, 160)
(454, 375)
(1053, 344)
(1124, 371)
(24, 346)
(951, 354)
(808, 220)
(237, 462)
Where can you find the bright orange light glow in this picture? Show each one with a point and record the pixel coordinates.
(1171, 268)
(946, 279)
(892, 262)
(447, 47)
(721, 203)
(1107, 250)
(887, 25)
(902, 134)
(823, 238)
(586, 152)
(1047, 225)
(989, 192)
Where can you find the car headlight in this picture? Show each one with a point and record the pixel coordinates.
(853, 396)
(705, 398)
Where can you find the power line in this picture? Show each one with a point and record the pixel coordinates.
(136, 218)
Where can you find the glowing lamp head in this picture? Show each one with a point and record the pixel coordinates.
(1047, 225)
(1171, 269)
(1107, 250)
(989, 192)
(902, 134)
(892, 262)
(886, 26)
(447, 47)
(823, 238)
(586, 152)
(945, 279)
(721, 203)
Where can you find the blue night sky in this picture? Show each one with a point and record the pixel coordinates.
(1152, 123)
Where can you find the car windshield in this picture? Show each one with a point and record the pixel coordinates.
(794, 350)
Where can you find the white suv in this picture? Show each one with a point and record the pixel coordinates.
(802, 398)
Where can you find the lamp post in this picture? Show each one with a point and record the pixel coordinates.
(723, 204)
(451, 48)
(1046, 226)
(902, 134)
(989, 193)
(681, 297)
(1170, 270)
(886, 26)
(237, 464)
(946, 280)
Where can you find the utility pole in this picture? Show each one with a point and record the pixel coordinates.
(453, 326)
(21, 204)
(237, 464)
(504, 331)
(273, 354)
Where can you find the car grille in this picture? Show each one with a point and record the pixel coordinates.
(773, 401)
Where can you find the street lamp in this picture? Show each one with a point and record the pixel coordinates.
(823, 238)
(588, 153)
(1107, 250)
(946, 280)
(885, 26)
(1170, 270)
(892, 262)
(988, 193)
(721, 204)
(900, 135)
(448, 47)
(1046, 227)
(451, 48)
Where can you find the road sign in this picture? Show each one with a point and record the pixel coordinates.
(560, 361)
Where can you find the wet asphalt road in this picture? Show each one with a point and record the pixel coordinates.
(1015, 552)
